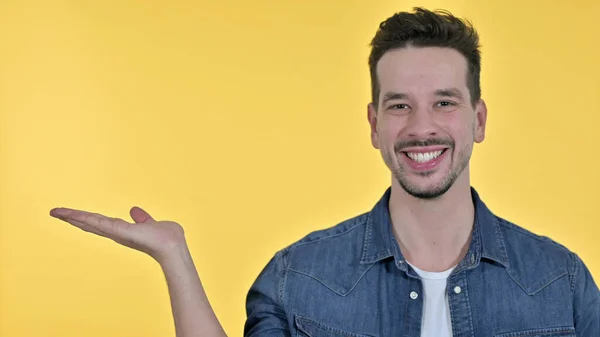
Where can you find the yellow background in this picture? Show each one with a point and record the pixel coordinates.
(245, 121)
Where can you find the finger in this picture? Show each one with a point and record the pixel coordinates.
(85, 227)
(63, 212)
(93, 222)
(139, 215)
(60, 212)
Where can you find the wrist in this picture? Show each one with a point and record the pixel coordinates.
(174, 254)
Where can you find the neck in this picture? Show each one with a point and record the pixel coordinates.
(433, 235)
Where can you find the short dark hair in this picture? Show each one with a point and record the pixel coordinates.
(425, 28)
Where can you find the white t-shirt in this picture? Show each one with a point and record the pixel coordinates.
(436, 310)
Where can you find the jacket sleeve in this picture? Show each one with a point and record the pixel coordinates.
(586, 301)
(264, 303)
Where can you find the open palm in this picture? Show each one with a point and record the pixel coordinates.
(147, 235)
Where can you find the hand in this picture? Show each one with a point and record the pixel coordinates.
(165, 242)
(155, 238)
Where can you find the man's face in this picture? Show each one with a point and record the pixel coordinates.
(424, 124)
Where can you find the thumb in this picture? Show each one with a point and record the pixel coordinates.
(140, 216)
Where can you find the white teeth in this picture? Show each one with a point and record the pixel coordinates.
(423, 157)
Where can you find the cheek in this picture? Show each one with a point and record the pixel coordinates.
(466, 138)
(462, 130)
(388, 134)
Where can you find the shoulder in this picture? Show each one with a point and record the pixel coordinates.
(345, 235)
(520, 240)
(329, 256)
(535, 260)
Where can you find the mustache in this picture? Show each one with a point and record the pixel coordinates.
(401, 144)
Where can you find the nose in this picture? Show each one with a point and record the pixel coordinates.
(421, 124)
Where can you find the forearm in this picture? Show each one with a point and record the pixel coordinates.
(192, 312)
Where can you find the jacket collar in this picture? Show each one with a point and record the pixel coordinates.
(487, 241)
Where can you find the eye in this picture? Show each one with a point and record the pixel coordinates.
(445, 103)
(400, 106)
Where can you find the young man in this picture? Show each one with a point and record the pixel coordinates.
(430, 259)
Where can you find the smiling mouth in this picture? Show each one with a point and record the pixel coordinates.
(424, 157)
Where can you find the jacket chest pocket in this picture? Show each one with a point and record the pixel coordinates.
(308, 327)
(547, 332)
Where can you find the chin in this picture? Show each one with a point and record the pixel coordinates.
(427, 194)
(425, 190)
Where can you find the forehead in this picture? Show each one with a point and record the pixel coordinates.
(422, 70)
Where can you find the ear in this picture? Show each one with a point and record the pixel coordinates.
(481, 119)
(372, 117)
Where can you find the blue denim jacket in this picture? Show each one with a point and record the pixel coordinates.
(352, 280)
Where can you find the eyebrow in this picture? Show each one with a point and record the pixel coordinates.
(449, 92)
(389, 96)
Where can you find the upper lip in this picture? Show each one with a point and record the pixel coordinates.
(425, 149)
